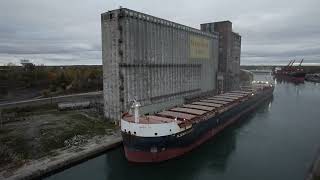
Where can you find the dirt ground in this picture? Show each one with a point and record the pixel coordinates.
(32, 133)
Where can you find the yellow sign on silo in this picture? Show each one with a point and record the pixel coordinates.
(199, 47)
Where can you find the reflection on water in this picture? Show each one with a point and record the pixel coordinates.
(288, 80)
(277, 141)
(186, 167)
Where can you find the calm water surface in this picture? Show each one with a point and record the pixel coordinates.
(278, 141)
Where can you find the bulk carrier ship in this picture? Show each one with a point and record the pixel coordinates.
(290, 72)
(174, 132)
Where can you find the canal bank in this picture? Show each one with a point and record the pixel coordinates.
(36, 140)
(66, 158)
(314, 173)
(278, 141)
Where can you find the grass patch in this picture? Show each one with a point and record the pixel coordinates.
(18, 145)
(7, 156)
(54, 139)
(317, 177)
(47, 132)
(75, 124)
(4, 131)
(92, 127)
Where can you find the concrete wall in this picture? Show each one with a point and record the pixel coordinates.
(235, 60)
(153, 60)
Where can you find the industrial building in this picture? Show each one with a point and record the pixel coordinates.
(154, 61)
(229, 54)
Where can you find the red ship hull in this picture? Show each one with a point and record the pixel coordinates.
(147, 157)
(290, 78)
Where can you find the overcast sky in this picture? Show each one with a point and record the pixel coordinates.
(66, 32)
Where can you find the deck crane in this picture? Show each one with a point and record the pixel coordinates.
(301, 62)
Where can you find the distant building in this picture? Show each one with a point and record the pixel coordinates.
(24, 62)
(229, 54)
(27, 64)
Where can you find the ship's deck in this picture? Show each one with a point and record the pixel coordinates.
(189, 112)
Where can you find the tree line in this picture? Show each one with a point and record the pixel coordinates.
(50, 80)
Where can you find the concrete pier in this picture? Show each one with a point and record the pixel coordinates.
(314, 173)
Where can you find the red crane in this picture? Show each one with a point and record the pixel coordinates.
(301, 62)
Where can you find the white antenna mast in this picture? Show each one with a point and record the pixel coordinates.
(136, 105)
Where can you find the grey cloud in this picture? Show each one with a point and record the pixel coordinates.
(46, 48)
(68, 32)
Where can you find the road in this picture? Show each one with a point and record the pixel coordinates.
(50, 100)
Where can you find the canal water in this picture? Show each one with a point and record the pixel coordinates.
(278, 141)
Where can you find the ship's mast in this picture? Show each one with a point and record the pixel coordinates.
(136, 105)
